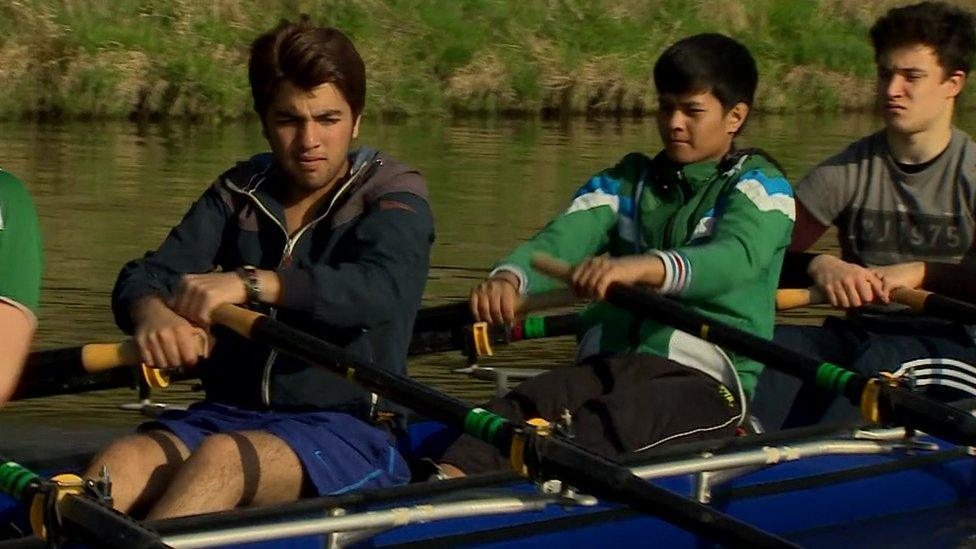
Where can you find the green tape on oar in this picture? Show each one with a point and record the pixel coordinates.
(832, 378)
(14, 478)
(482, 424)
(535, 327)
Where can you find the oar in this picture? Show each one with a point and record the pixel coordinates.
(452, 315)
(95, 366)
(880, 401)
(791, 298)
(85, 367)
(918, 300)
(61, 511)
(477, 339)
(531, 451)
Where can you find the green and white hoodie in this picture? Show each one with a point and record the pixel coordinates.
(721, 230)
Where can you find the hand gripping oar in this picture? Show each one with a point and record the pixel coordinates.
(881, 401)
(452, 315)
(921, 301)
(66, 508)
(477, 339)
(532, 451)
(453, 326)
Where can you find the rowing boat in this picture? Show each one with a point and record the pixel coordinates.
(813, 486)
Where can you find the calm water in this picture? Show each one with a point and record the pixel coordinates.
(107, 192)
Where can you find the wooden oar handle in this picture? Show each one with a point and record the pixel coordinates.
(915, 299)
(238, 319)
(98, 357)
(791, 298)
(556, 268)
(563, 297)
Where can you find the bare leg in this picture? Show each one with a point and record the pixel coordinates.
(140, 466)
(233, 469)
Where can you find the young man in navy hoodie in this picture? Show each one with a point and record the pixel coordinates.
(332, 241)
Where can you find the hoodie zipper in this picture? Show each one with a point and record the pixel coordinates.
(669, 226)
(286, 255)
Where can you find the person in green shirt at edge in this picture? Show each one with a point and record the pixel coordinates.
(701, 221)
(20, 279)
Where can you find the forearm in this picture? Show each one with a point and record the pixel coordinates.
(570, 237)
(146, 307)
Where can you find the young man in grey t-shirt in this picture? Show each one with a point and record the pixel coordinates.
(903, 201)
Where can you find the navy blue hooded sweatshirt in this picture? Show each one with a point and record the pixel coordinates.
(354, 276)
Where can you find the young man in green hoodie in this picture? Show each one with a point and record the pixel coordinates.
(700, 221)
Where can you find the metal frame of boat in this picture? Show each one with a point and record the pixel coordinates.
(795, 484)
(789, 483)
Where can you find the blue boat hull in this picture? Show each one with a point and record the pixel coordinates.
(806, 500)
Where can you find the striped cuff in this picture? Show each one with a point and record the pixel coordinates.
(523, 285)
(677, 272)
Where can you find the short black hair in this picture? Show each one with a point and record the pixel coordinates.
(946, 29)
(708, 62)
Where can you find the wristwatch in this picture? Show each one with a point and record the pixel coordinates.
(252, 284)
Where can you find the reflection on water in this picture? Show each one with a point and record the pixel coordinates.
(107, 192)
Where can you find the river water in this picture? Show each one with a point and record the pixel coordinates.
(107, 192)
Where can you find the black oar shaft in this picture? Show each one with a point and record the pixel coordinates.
(552, 455)
(603, 478)
(102, 526)
(827, 376)
(438, 406)
(936, 305)
(891, 403)
(897, 404)
(85, 518)
(98, 366)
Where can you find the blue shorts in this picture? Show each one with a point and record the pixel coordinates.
(338, 452)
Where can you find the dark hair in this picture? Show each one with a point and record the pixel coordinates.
(946, 29)
(708, 62)
(307, 56)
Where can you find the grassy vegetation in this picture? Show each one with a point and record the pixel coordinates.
(186, 58)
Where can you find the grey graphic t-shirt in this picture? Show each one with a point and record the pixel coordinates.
(885, 215)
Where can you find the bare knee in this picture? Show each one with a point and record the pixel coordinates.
(215, 451)
(140, 451)
(218, 460)
(215, 468)
(254, 466)
(139, 466)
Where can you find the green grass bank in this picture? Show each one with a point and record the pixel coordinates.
(157, 59)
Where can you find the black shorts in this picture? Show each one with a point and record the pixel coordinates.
(942, 357)
(618, 404)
